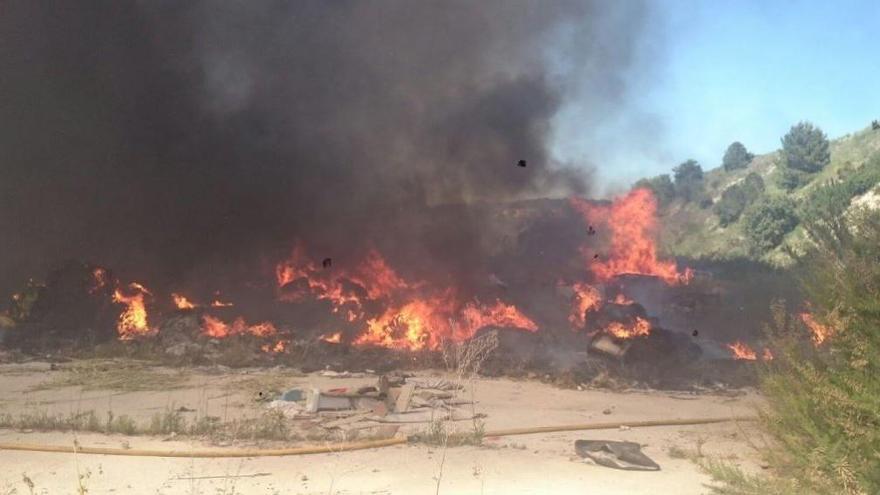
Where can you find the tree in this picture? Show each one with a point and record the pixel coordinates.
(661, 186)
(768, 221)
(737, 197)
(790, 179)
(805, 148)
(736, 156)
(688, 180)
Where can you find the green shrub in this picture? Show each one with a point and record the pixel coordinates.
(661, 186)
(736, 156)
(737, 197)
(688, 180)
(825, 400)
(790, 179)
(768, 221)
(805, 148)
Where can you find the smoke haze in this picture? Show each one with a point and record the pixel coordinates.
(161, 137)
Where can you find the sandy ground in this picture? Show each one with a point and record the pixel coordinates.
(539, 463)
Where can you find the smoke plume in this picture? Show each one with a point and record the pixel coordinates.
(159, 137)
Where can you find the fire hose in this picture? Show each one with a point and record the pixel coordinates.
(349, 446)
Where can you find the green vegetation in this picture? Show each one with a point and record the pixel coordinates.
(737, 197)
(768, 221)
(824, 400)
(805, 148)
(691, 229)
(661, 186)
(736, 156)
(688, 180)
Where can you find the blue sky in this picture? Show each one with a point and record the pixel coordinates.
(713, 72)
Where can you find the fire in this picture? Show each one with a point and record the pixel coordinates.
(333, 338)
(278, 348)
(216, 303)
(640, 328)
(422, 324)
(216, 328)
(182, 302)
(622, 299)
(585, 297)
(411, 315)
(819, 332)
(632, 221)
(100, 277)
(132, 322)
(742, 351)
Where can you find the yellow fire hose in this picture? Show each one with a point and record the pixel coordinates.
(349, 446)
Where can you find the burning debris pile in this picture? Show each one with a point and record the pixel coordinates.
(364, 303)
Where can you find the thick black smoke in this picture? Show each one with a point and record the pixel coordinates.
(158, 137)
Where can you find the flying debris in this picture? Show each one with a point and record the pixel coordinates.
(591, 230)
(521, 163)
(695, 333)
(327, 263)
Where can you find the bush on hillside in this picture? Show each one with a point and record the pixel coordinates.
(737, 197)
(661, 186)
(790, 179)
(688, 180)
(768, 221)
(805, 148)
(736, 156)
(829, 202)
(825, 400)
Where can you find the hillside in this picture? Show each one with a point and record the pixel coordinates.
(693, 230)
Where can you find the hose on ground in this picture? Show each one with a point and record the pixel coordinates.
(349, 446)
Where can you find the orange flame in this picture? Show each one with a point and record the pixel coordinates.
(216, 303)
(333, 338)
(640, 328)
(632, 221)
(182, 302)
(216, 328)
(742, 351)
(585, 297)
(278, 348)
(413, 317)
(819, 332)
(622, 299)
(132, 322)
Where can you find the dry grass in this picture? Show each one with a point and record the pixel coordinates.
(126, 376)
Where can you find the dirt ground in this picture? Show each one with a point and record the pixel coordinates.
(538, 463)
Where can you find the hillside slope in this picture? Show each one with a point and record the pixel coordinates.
(690, 230)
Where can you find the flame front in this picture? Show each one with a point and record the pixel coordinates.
(632, 220)
(640, 328)
(182, 302)
(132, 322)
(586, 297)
(218, 329)
(819, 333)
(412, 316)
(742, 351)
